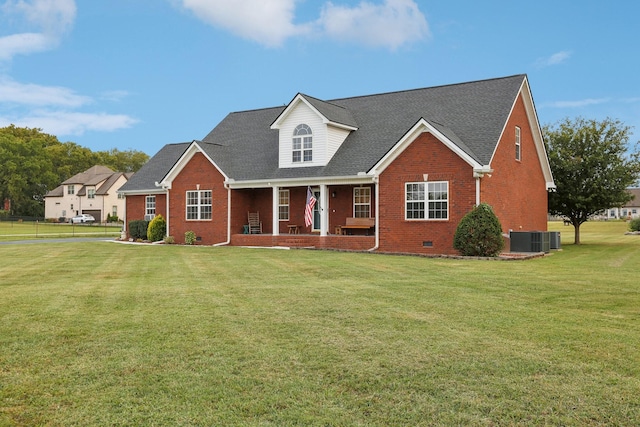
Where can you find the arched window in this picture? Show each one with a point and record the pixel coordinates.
(302, 150)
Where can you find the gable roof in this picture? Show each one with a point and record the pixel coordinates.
(155, 169)
(91, 176)
(635, 192)
(244, 145)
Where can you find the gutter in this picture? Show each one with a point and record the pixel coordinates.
(226, 185)
(376, 179)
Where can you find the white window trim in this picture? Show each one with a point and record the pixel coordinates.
(518, 144)
(368, 189)
(304, 139)
(426, 200)
(149, 207)
(199, 205)
(280, 194)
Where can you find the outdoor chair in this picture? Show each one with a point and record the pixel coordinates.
(255, 225)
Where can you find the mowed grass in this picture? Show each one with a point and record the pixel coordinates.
(28, 230)
(95, 334)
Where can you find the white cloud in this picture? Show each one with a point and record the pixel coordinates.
(51, 19)
(37, 95)
(391, 24)
(388, 24)
(579, 103)
(71, 123)
(267, 22)
(555, 59)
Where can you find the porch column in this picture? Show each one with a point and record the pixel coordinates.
(275, 211)
(324, 209)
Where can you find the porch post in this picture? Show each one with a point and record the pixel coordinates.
(324, 210)
(275, 211)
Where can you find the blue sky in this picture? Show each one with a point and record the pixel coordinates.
(140, 74)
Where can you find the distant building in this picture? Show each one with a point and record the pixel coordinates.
(93, 192)
(630, 210)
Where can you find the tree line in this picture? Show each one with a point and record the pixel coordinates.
(32, 163)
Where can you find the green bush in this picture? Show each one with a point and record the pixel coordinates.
(138, 229)
(169, 240)
(157, 228)
(479, 233)
(634, 224)
(189, 238)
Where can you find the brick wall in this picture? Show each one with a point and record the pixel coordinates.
(426, 155)
(198, 172)
(516, 189)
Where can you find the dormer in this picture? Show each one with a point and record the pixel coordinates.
(311, 131)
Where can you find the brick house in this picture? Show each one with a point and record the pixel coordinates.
(392, 172)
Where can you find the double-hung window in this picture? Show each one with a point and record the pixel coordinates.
(150, 207)
(302, 148)
(362, 202)
(91, 193)
(283, 205)
(199, 205)
(427, 200)
(518, 147)
(71, 189)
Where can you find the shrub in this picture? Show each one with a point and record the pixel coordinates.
(138, 229)
(157, 228)
(634, 224)
(189, 238)
(479, 233)
(169, 240)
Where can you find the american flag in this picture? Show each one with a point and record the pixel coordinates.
(308, 208)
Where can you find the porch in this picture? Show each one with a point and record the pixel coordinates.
(332, 241)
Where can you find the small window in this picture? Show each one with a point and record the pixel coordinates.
(91, 193)
(283, 205)
(150, 207)
(114, 210)
(427, 200)
(362, 202)
(302, 144)
(518, 148)
(199, 205)
(71, 189)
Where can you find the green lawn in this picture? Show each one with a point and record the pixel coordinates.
(14, 230)
(96, 334)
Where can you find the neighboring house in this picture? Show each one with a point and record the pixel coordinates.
(630, 210)
(93, 191)
(409, 163)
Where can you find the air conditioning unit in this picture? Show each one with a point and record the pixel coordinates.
(149, 217)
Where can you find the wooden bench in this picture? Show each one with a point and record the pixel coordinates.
(358, 223)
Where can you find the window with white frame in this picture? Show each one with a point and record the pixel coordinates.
(362, 202)
(199, 205)
(283, 205)
(91, 193)
(302, 148)
(427, 200)
(518, 147)
(71, 189)
(150, 207)
(114, 210)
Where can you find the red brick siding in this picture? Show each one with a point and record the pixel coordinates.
(426, 155)
(199, 171)
(516, 189)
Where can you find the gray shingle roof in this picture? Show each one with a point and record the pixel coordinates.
(156, 168)
(472, 115)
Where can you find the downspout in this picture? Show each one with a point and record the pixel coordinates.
(477, 191)
(226, 185)
(376, 180)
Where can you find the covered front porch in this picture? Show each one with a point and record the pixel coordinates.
(343, 216)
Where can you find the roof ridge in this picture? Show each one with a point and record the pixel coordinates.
(393, 92)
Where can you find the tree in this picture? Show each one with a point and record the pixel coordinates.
(592, 164)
